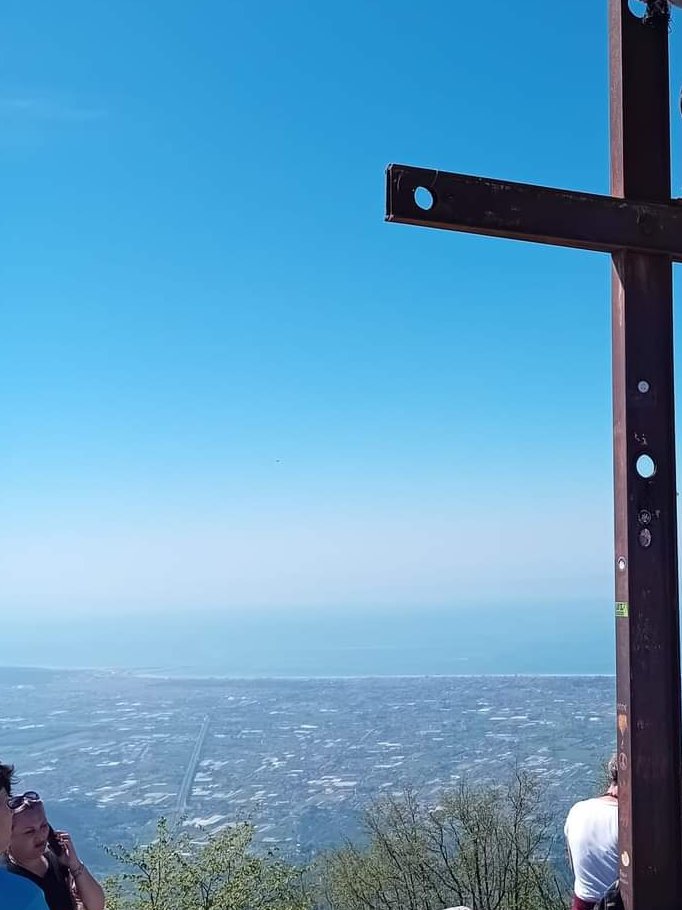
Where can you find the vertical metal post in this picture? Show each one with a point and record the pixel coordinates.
(647, 621)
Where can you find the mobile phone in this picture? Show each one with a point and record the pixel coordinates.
(53, 842)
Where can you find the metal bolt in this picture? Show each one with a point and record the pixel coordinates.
(645, 517)
(643, 386)
(622, 563)
(645, 538)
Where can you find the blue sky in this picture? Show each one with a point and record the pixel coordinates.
(226, 384)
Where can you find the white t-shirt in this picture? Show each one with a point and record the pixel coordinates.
(591, 831)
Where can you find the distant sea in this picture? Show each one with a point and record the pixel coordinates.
(552, 638)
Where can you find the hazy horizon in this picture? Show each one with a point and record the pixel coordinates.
(228, 387)
(312, 409)
(437, 641)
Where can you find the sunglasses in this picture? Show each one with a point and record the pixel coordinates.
(25, 799)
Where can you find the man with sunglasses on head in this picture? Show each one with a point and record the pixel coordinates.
(15, 893)
(48, 858)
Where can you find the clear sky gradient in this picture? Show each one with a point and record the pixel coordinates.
(226, 384)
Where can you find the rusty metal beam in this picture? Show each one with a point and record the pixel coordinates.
(641, 226)
(499, 208)
(647, 623)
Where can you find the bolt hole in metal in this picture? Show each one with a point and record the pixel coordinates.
(645, 466)
(424, 198)
(637, 8)
(644, 8)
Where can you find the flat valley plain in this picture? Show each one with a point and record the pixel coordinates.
(111, 752)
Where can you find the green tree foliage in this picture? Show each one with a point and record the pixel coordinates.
(222, 873)
(484, 847)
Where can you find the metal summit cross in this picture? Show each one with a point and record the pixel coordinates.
(641, 227)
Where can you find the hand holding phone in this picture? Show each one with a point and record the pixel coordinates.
(53, 842)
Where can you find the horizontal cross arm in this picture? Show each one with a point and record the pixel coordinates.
(498, 208)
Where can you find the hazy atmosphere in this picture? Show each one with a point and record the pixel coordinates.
(232, 396)
(306, 518)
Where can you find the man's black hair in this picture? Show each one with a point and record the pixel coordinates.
(6, 778)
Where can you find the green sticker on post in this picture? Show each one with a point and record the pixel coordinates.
(622, 609)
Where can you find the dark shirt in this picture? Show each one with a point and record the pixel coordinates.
(54, 884)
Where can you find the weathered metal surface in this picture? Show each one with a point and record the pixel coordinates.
(477, 205)
(642, 228)
(647, 637)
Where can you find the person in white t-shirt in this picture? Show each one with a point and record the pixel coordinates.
(591, 831)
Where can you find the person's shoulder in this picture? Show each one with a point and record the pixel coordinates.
(584, 808)
(594, 802)
(23, 894)
(579, 807)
